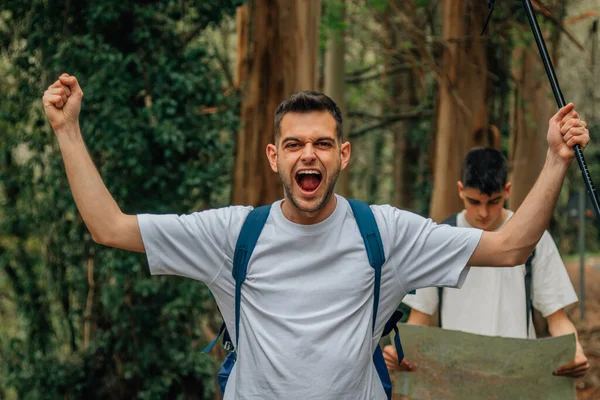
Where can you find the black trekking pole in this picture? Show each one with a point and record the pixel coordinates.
(560, 100)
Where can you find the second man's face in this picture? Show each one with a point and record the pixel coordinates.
(484, 211)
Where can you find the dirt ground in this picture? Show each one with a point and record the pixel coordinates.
(588, 387)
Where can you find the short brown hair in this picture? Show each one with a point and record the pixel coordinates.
(304, 102)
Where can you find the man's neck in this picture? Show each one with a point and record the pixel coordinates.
(308, 218)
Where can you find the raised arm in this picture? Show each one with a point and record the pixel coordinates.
(513, 244)
(103, 217)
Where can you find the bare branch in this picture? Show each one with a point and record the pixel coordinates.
(192, 34)
(224, 66)
(360, 71)
(548, 14)
(587, 14)
(361, 114)
(390, 120)
(377, 75)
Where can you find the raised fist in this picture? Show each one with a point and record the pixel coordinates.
(62, 102)
(566, 130)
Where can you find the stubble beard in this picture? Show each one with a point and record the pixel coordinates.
(288, 190)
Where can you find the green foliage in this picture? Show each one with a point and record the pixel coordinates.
(377, 5)
(333, 16)
(332, 24)
(149, 85)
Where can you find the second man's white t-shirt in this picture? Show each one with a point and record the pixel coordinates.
(492, 300)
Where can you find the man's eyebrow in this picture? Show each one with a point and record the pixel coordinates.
(320, 139)
(494, 199)
(290, 139)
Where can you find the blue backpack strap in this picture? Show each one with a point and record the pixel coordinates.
(370, 234)
(440, 291)
(528, 284)
(392, 325)
(214, 341)
(244, 247)
(367, 225)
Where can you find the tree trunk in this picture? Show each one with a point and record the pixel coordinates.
(376, 168)
(402, 95)
(531, 110)
(280, 59)
(241, 25)
(335, 69)
(462, 105)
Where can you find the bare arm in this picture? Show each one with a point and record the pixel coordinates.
(513, 244)
(101, 214)
(416, 317)
(559, 324)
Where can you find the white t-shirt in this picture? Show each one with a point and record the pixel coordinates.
(492, 300)
(307, 302)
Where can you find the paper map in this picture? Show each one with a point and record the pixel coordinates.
(457, 365)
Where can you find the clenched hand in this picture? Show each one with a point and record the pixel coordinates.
(62, 102)
(565, 130)
(391, 360)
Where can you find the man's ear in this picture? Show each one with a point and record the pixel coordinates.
(507, 189)
(272, 156)
(461, 189)
(346, 151)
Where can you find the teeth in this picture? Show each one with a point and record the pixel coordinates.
(309, 171)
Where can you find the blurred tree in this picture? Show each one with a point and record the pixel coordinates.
(405, 45)
(335, 68)
(280, 58)
(462, 98)
(532, 107)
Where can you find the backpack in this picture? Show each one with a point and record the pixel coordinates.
(246, 242)
(451, 220)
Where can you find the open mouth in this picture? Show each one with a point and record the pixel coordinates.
(309, 180)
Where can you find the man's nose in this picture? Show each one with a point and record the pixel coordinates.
(483, 212)
(308, 153)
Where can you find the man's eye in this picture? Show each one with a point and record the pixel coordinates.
(291, 145)
(324, 144)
